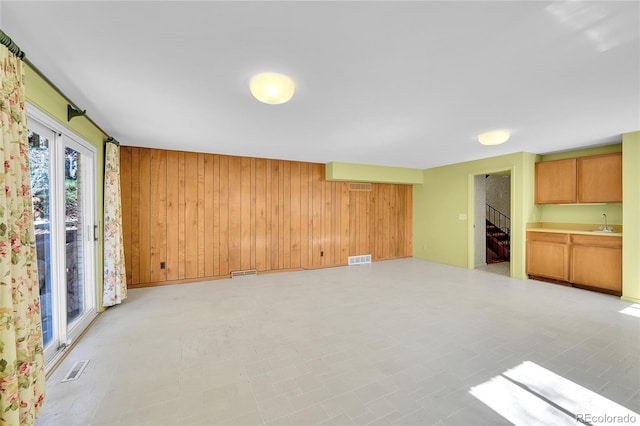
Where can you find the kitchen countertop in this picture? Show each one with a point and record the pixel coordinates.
(569, 228)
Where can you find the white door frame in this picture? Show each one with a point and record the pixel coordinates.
(65, 138)
(471, 206)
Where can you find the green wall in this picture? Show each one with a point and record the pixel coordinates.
(369, 173)
(440, 235)
(631, 217)
(51, 102)
(582, 213)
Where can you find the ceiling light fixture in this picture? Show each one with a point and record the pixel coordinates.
(272, 88)
(495, 137)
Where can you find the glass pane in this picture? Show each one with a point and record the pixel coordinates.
(39, 171)
(74, 234)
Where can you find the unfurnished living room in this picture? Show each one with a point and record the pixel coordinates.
(319, 212)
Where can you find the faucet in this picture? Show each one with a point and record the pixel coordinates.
(606, 228)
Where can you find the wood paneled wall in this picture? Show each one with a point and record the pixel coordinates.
(206, 215)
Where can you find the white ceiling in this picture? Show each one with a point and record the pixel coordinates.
(394, 83)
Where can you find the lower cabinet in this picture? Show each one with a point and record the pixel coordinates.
(591, 261)
(597, 262)
(548, 255)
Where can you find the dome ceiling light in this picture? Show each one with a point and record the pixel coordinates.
(495, 137)
(272, 88)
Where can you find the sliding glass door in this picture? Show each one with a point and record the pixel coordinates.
(40, 139)
(62, 170)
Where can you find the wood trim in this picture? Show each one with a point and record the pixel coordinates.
(125, 188)
(158, 214)
(173, 222)
(144, 215)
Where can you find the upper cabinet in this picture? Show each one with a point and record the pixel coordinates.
(592, 179)
(600, 178)
(556, 181)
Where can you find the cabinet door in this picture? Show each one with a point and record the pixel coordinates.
(548, 255)
(596, 261)
(600, 178)
(556, 181)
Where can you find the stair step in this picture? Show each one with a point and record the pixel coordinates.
(498, 249)
(498, 243)
(498, 236)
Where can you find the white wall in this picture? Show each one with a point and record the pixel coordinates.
(498, 190)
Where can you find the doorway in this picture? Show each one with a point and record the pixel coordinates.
(492, 222)
(62, 171)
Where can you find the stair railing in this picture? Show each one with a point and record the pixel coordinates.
(498, 219)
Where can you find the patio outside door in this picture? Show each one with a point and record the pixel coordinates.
(62, 170)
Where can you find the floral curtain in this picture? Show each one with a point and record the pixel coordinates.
(115, 278)
(22, 378)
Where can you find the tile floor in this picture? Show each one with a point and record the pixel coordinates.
(394, 343)
(502, 268)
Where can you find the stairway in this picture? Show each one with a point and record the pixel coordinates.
(498, 236)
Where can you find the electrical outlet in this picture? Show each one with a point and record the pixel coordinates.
(462, 216)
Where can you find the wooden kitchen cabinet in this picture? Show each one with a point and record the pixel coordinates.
(548, 255)
(589, 261)
(600, 178)
(556, 181)
(591, 179)
(596, 261)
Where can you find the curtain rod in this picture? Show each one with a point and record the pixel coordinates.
(5, 40)
(13, 48)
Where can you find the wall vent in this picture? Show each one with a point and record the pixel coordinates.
(359, 260)
(359, 186)
(246, 273)
(76, 370)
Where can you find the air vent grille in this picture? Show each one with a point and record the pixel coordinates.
(246, 273)
(359, 186)
(359, 260)
(76, 370)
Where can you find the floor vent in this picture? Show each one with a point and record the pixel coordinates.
(359, 260)
(247, 273)
(76, 370)
(356, 186)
